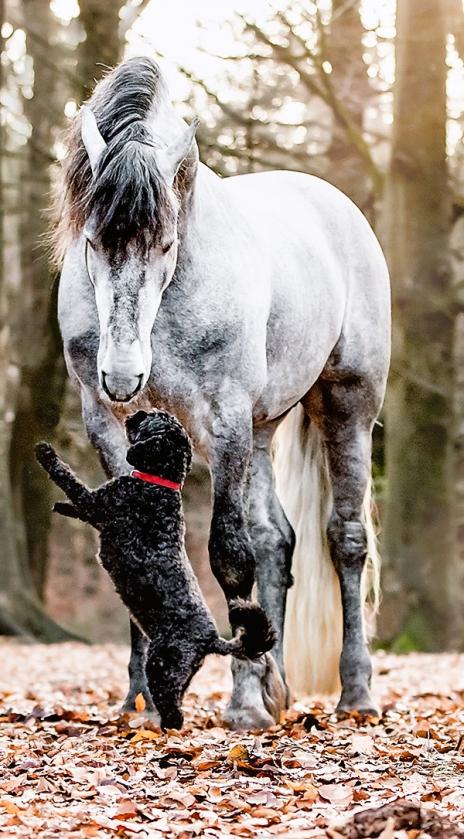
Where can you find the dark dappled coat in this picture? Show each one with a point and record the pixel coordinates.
(141, 526)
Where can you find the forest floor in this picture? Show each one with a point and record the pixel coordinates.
(71, 766)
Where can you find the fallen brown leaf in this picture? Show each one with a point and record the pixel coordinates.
(339, 794)
(239, 754)
(71, 765)
(140, 703)
(144, 734)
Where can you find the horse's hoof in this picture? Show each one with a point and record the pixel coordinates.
(248, 719)
(259, 694)
(360, 702)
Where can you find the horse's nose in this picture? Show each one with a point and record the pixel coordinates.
(121, 388)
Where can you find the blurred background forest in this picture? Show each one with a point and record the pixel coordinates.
(368, 94)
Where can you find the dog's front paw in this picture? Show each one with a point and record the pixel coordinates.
(65, 509)
(45, 454)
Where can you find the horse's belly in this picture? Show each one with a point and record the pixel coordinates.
(304, 326)
(287, 384)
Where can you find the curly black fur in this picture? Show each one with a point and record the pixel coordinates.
(254, 635)
(141, 528)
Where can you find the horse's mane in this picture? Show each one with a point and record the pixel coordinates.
(128, 194)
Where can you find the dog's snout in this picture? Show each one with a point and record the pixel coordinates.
(133, 424)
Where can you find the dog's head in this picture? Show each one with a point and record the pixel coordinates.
(159, 444)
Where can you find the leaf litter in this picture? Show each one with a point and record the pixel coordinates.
(71, 765)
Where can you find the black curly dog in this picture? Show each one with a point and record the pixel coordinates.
(141, 525)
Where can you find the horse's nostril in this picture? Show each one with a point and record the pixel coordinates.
(138, 385)
(121, 390)
(105, 386)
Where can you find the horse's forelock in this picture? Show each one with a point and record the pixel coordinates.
(129, 201)
(120, 102)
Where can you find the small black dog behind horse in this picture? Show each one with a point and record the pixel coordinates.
(141, 525)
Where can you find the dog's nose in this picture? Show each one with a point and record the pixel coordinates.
(119, 388)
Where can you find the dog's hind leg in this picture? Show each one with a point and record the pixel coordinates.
(137, 675)
(167, 676)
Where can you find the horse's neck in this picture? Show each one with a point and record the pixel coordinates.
(193, 185)
(197, 181)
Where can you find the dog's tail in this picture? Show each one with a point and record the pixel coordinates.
(254, 634)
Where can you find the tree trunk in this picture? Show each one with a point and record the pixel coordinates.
(420, 597)
(101, 47)
(457, 476)
(20, 609)
(7, 526)
(41, 366)
(42, 369)
(349, 78)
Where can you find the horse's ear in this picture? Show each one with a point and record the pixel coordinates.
(91, 137)
(171, 158)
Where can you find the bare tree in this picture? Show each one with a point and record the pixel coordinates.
(101, 45)
(37, 345)
(417, 531)
(39, 354)
(314, 63)
(343, 49)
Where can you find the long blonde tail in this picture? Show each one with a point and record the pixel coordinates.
(313, 626)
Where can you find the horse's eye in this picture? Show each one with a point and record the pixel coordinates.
(167, 248)
(90, 243)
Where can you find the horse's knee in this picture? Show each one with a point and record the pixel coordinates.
(232, 558)
(348, 543)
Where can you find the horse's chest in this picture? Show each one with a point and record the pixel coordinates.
(181, 394)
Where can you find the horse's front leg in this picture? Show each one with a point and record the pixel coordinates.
(107, 436)
(233, 564)
(273, 539)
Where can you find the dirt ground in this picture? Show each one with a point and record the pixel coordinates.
(71, 766)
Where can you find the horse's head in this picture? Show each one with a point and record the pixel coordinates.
(131, 244)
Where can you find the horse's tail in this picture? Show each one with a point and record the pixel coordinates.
(313, 626)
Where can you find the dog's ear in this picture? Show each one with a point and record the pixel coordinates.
(188, 459)
(135, 454)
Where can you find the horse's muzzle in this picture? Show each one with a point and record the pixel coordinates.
(121, 390)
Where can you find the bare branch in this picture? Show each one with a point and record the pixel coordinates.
(284, 54)
(128, 21)
(455, 18)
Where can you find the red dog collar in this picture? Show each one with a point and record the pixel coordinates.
(155, 479)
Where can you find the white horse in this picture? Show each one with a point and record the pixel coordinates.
(234, 304)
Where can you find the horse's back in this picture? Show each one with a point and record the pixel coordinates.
(304, 204)
(328, 273)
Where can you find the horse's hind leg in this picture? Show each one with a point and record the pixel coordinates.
(345, 412)
(259, 692)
